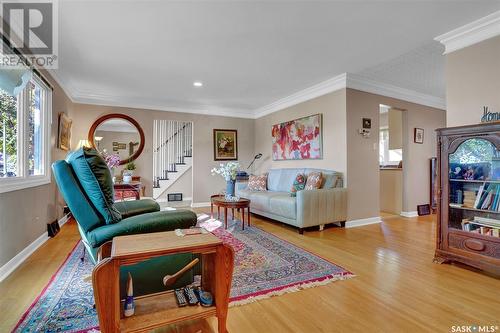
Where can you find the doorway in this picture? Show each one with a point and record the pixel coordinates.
(391, 160)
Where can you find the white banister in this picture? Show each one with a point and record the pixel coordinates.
(172, 143)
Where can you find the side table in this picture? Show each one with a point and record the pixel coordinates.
(220, 201)
(160, 309)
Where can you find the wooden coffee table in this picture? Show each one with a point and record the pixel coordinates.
(219, 201)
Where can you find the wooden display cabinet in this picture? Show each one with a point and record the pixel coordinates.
(157, 310)
(468, 222)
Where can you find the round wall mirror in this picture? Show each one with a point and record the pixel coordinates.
(117, 134)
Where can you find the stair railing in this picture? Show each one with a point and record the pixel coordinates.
(172, 142)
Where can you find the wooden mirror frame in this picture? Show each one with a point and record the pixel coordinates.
(102, 119)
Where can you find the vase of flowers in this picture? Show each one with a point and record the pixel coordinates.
(228, 171)
(112, 161)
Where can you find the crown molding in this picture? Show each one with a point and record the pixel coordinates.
(375, 87)
(342, 81)
(336, 83)
(64, 85)
(472, 33)
(127, 102)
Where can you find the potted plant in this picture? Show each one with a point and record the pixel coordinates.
(128, 172)
(228, 171)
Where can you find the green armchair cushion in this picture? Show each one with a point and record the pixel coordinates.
(136, 207)
(95, 178)
(82, 209)
(142, 224)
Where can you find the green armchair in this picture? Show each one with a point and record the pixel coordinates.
(135, 217)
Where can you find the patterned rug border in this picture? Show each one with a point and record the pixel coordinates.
(44, 290)
(294, 287)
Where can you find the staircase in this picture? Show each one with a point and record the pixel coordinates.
(172, 153)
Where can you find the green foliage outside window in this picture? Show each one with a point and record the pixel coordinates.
(474, 151)
(8, 132)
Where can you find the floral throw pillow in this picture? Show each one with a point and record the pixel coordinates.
(314, 180)
(298, 184)
(257, 183)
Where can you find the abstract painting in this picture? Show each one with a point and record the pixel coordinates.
(225, 145)
(299, 139)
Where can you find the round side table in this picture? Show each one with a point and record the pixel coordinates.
(220, 201)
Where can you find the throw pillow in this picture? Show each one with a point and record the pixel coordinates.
(314, 180)
(257, 183)
(95, 178)
(298, 184)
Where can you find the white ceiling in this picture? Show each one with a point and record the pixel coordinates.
(248, 54)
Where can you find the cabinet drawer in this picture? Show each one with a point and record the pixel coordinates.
(474, 245)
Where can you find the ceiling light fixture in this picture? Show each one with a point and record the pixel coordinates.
(197, 84)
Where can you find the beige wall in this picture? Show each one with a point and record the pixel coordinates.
(473, 81)
(203, 161)
(362, 154)
(391, 190)
(395, 129)
(24, 214)
(332, 106)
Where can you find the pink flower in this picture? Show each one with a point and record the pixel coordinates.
(112, 160)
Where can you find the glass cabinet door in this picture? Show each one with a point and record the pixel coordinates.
(474, 188)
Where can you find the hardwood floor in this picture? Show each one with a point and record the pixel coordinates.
(397, 287)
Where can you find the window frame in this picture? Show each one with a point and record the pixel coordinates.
(23, 180)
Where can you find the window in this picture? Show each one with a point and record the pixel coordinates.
(388, 157)
(25, 137)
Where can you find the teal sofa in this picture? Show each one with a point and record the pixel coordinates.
(137, 217)
(309, 208)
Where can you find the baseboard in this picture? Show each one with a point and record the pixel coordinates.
(361, 222)
(200, 204)
(409, 214)
(15, 262)
(62, 221)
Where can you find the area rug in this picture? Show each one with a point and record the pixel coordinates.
(265, 266)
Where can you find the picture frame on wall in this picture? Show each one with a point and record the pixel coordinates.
(225, 145)
(64, 132)
(418, 136)
(298, 139)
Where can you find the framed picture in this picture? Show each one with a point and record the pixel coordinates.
(423, 209)
(419, 135)
(225, 145)
(367, 123)
(64, 132)
(299, 139)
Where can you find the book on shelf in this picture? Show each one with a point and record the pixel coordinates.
(482, 225)
(487, 221)
(469, 199)
(488, 197)
(471, 226)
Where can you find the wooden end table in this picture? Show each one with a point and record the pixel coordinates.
(160, 309)
(220, 201)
